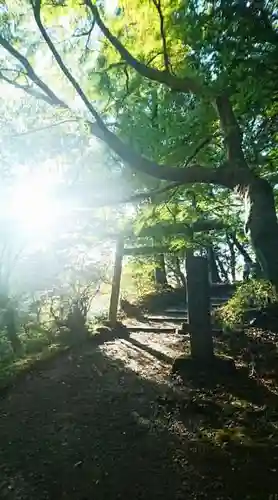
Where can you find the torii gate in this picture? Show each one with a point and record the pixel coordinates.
(198, 292)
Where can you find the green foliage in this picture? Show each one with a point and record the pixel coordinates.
(178, 124)
(211, 42)
(145, 250)
(226, 46)
(33, 338)
(160, 299)
(42, 335)
(138, 278)
(254, 293)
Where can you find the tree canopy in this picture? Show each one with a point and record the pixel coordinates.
(183, 92)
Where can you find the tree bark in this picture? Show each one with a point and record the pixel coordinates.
(160, 271)
(241, 249)
(262, 222)
(232, 258)
(262, 226)
(222, 269)
(257, 193)
(185, 84)
(213, 269)
(179, 272)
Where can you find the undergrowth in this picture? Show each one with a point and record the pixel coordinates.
(38, 346)
(256, 294)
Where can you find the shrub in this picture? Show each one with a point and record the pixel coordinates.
(137, 279)
(257, 294)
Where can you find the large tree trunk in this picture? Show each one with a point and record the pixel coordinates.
(233, 172)
(223, 271)
(232, 258)
(260, 207)
(213, 269)
(160, 271)
(262, 225)
(179, 272)
(173, 265)
(241, 248)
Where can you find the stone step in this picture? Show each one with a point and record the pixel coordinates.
(182, 310)
(151, 329)
(166, 318)
(163, 329)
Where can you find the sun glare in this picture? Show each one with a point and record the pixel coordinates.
(110, 6)
(34, 208)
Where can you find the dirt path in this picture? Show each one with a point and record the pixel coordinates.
(103, 423)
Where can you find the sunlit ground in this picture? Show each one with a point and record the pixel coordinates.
(148, 354)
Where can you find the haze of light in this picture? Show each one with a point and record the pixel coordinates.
(34, 208)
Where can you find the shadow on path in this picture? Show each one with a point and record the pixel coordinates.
(88, 428)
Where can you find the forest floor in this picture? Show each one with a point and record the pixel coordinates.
(107, 421)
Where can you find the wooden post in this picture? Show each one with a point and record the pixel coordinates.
(115, 289)
(198, 299)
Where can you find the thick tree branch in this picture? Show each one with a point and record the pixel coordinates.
(203, 143)
(231, 131)
(37, 14)
(185, 84)
(224, 176)
(184, 176)
(157, 4)
(49, 95)
(221, 176)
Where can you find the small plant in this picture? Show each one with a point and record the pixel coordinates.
(257, 294)
(235, 435)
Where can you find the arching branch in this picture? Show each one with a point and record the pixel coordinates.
(48, 93)
(224, 175)
(37, 14)
(185, 84)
